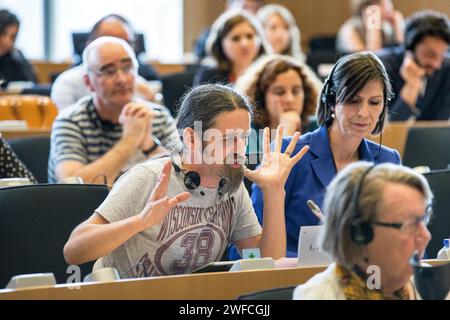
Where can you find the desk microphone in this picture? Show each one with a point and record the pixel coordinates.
(315, 210)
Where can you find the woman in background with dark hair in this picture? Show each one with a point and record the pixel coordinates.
(285, 92)
(235, 41)
(353, 105)
(13, 65)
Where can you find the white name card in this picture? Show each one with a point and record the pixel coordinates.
(309, 253)
(253, 264)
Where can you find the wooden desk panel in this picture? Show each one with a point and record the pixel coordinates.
(214, 286)
(45, 68)
(10, 134)
(221, 285)
(164, 69)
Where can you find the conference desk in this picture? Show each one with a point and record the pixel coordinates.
(203, 286)
(217, 286)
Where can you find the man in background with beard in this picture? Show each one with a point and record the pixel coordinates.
(172, 216)
(420, 70)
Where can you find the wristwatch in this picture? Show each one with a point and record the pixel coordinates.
(156, 144)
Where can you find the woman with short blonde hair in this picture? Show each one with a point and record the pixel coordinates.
(376, 219)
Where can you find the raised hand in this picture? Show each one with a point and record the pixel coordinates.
(275, 166)
(159, 205)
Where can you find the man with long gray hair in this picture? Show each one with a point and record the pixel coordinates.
(172, 216)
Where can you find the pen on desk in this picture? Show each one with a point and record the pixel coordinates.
(315, 210)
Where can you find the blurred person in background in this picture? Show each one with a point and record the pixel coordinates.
(13, 65)
(284, 92)
(281, 30)
(374, 25)
(69, 86)
(236, 40)
(10, 165)
(251, 6)
(109, 131)
(420, 70)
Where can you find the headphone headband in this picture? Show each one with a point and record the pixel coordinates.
(361, 231)
(328, 95)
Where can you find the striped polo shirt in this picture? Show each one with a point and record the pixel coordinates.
(80, 134)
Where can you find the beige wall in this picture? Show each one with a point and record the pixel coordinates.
(197, 15)
(314, 17)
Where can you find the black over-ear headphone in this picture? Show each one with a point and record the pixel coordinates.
(328, 95)
(192, 180)
(361, 232)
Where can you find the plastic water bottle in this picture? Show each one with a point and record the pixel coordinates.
(444, 253)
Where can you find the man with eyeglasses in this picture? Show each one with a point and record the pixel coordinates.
(69, 86)
(420, 70)
(104, 134)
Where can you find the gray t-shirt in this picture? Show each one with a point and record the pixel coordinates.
(193, 233)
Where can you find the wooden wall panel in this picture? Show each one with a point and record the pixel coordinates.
(315, 17)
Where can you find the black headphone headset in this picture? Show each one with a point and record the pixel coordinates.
(328, 95)
(361, 231)
(328, 98)
(192, 180)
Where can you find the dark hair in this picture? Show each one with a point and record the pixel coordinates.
(206, 102)
(349, 76)
(275, 66)
(222, 26)
(7, 18)
(113, 16)
(426, 23)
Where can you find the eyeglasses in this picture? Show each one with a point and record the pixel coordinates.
(409, 227)
(111, 72)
